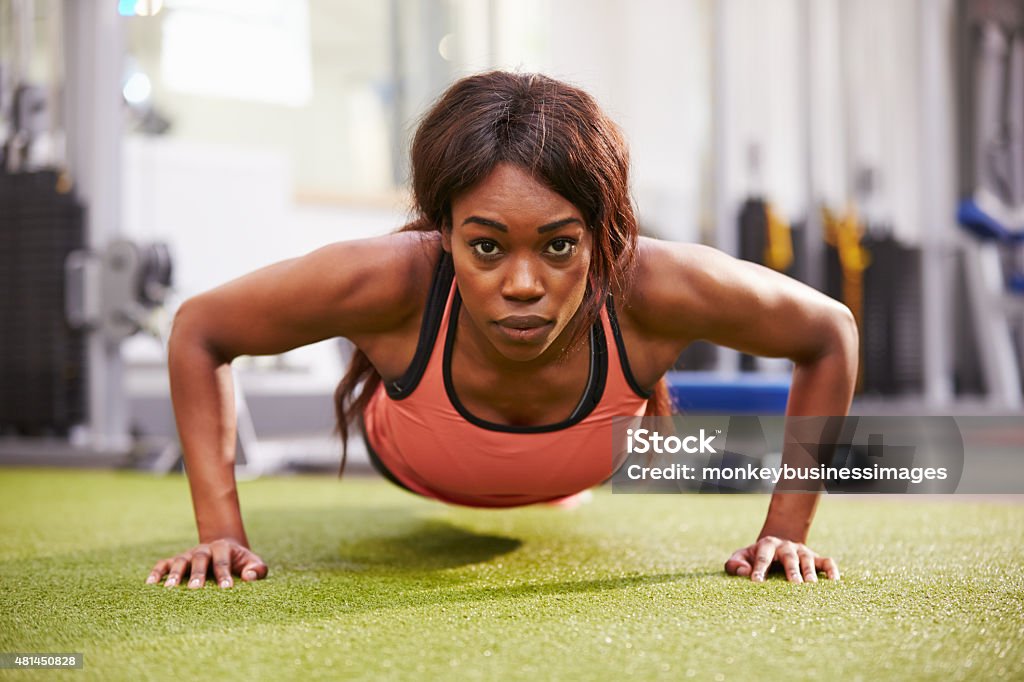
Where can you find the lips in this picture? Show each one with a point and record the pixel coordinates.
(524, 328)
(523, 322)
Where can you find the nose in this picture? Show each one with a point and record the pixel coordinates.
(522, 281)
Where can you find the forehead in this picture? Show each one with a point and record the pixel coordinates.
(509, 188)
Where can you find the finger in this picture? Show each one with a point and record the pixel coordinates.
(200, 563)
(807, 566)
(790, 562)
(827, 565)
(159, 569)
(254, 568)
(738, 564)
(763, 556)
(222, 563)
(178, 565)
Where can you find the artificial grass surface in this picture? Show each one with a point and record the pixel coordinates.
(367, 581)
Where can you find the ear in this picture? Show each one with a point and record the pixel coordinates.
(446, 239)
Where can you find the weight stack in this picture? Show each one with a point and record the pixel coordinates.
(753, 229)
(43, 388)
(753, 239)
(892, 361)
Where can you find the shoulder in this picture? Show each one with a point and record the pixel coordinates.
(358, 289)
(686, 292)
(374, 284)
(674, 281)
(387, 274)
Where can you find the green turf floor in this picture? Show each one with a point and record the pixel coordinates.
(367, 581)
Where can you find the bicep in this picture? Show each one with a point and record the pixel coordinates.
(704, 294)
(345, 289)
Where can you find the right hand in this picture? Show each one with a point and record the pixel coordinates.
(224, 557)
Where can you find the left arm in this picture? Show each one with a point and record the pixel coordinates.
(689, 292)
(823, 387)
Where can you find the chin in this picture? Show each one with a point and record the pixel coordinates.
(522, 354)
(524, 351)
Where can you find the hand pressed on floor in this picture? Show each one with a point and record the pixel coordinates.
(799, 562)
(225, 557)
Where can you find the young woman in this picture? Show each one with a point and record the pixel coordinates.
(500, 332)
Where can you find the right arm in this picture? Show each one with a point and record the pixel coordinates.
(345, 289)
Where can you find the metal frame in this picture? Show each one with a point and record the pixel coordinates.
(94, 54)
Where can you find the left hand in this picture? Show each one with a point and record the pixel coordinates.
(798, 561)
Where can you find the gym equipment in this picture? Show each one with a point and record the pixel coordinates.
(765, 238)
(115, 292)
(995, 208)
(892, 339)
(57, 294)
(879, 279)
(715, 393)
(73, 290)
(42, 358)
(992, 214)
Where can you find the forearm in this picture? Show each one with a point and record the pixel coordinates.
(202, 392)
(824, 388)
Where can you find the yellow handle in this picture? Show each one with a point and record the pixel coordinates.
(845, 233)
(778, 249)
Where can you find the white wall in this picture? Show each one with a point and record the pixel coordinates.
(647, 64)
(226, 211)
(882, 69)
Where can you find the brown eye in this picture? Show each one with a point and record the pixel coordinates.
(484, 249)
(562, 247)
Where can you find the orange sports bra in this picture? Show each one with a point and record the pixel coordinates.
(422, 438)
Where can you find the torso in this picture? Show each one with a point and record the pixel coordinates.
(540, 397)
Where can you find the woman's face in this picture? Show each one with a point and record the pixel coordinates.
(521, 253)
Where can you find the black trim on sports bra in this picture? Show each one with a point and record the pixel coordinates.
(591, 394)
(433, 311)
(623, 360)
(381, 468)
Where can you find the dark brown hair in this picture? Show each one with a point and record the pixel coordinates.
(558, 134)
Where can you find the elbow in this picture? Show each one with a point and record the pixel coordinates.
(185, 320)
(188, 329)
(843, 336)
(834, 336)
(846, 323)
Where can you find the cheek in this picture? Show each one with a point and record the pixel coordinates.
(574, 287)
(583, 275)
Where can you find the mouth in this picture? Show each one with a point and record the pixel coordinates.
(524, 327)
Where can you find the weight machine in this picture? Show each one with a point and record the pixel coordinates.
(74, 290)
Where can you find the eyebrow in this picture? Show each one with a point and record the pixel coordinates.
(504, 228)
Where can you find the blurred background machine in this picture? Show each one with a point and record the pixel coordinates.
(73, 289)
(991, 88)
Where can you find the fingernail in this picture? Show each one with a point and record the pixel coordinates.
(758, 577)
(225, 583)
(250, 575)
(194, 583)
(169, 583)
(150, 580)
